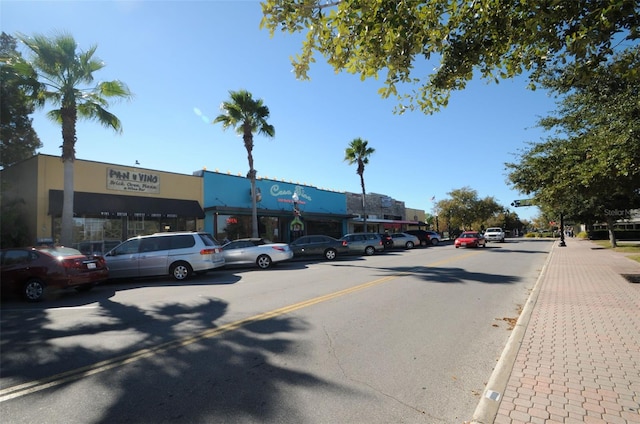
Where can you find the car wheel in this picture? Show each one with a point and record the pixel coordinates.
(84, 288)
(434, 241)
(330, 254)
(457, 247)
(263, 261)
(181, 271)
(369, 250)
(409, 245)
(33, 290)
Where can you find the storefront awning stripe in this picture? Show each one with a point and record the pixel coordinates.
(112, 204)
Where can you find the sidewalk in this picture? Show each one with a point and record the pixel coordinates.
(574, 356)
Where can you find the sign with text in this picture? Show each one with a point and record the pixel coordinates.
(523, 202)
(137, 181)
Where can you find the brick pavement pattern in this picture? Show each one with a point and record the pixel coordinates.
(579, 361)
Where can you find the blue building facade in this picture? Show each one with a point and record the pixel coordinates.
(286, 210)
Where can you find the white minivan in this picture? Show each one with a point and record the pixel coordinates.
(178, 254)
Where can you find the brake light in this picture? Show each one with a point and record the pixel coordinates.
(280, 248)
(72, 263)
(210, 251)
(344, 243)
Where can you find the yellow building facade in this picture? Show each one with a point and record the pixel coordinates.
(111, 202)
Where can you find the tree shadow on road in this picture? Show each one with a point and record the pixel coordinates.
(168, 362)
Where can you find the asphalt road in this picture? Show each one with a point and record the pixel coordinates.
(400, 337)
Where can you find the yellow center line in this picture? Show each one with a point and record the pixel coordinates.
(118, 361)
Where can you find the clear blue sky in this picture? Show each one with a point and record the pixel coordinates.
(181, 58)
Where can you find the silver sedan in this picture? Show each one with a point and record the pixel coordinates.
(404, 240)
(255, 251)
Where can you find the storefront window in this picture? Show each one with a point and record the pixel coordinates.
(99, 235)
(233, 227)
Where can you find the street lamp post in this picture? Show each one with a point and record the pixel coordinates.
(562, 243)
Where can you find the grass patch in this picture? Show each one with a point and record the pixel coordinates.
(631, 250)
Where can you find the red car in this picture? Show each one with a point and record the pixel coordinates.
(470, 239)
(30, 270)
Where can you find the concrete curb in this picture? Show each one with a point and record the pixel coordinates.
(489, 404)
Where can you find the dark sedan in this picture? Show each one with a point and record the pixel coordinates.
(325, 246)
(29, 271)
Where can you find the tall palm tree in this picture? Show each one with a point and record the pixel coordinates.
(64, 73)
(247, 116)
(358, 152)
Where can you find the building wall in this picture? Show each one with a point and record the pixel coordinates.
(377, 205)
(32, 179)
(22, 182)
(415, 214)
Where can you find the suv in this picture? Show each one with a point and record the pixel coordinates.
(177, 254)
(367, 243)
(424, 237)
(494, 234)
(324, 246)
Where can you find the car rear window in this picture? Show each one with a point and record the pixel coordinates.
(61, 251)
(208, 240)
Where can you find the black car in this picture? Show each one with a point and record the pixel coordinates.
(319, 245)
(387, 240)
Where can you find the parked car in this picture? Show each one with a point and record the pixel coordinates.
(434, 237)
(470, 239)
(494, 234)
(423, 236)
(387, 241)
(319, 245)
(367, 243)
(258, 251)
(404, 240)
(30, 271)
(178, 254)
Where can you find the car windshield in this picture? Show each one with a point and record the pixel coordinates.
(468, 235)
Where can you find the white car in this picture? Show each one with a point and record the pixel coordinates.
(494, 234)
(255, 251)
(404, 240)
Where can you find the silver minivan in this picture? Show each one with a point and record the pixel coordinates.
(178, 254)
(367, 243)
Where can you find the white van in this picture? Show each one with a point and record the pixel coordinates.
(178, 254)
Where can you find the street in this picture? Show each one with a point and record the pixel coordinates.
(407, 336)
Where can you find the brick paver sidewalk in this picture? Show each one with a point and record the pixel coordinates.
(579, 361)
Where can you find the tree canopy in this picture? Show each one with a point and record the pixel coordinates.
(247, 116)
(66, 76)
(591, 162)
(494, 38)
(18, 139)
(464, 210)
(358, 152)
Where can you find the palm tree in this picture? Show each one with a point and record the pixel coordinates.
(64, 73)
(247, 116)
(358, 152)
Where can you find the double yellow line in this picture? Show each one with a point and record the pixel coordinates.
(118, 361)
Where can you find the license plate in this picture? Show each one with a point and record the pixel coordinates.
(91, 265)
(463, 244)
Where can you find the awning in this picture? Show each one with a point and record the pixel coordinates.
(385, 221)
(110, 205)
